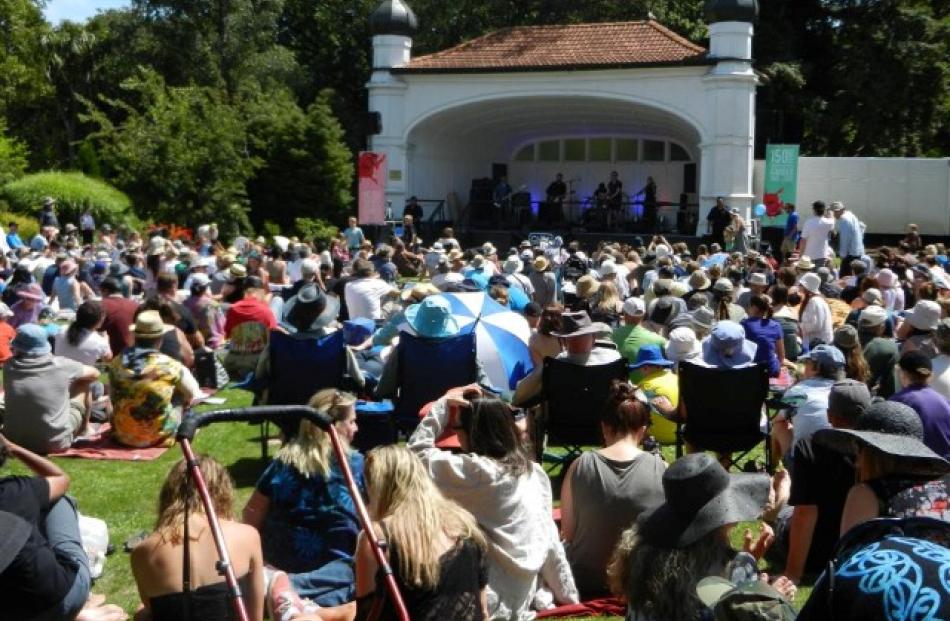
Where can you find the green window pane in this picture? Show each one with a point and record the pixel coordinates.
(526, 154)
(575, 150)
(549, 151)
(627, 150)
(600, 149)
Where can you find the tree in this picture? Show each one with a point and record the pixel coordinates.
(13, 154)
(21, 71)
(181, 156)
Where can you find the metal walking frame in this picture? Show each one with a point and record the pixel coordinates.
(186, 433)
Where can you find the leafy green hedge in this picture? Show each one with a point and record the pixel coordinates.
(73, 191)
(29, 226)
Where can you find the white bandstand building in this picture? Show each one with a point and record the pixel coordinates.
(582, 100)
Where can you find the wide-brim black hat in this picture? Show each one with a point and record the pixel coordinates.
(915, 457)
(701, 497)
(311, 295)
(14, 531)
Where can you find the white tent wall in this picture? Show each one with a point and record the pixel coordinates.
(886, 193)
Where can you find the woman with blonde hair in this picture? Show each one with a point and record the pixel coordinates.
(435, 547)
(606, 304)
(157, 562)
(303, 509)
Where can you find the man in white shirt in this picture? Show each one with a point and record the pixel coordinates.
(814, 240)
(364, 296)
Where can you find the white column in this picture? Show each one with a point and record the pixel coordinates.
(727, 154)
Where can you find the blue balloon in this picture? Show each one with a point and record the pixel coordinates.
(759, 210)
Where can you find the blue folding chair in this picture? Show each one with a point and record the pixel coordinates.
(428, 368)
(300, 367)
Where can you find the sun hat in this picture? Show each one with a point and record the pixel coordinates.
(200, 279)
(873, 296)
(608, 268)
(31, 292)
(887, 278)
(432, 317)
(634, 307)
(237, 271)
(576, 324)
(587, 286)
(540, 264)
(724, 285)
(683, 345)
(824, 355)
(67, 267)
(703, 317)
(662, 250)
(837, 206)
(488, 249)
(700, 498)
(650, 354)
(663, 310)
(872, 316)
(455, 255)
(811, 283)
(917, 362)
(149, 325)
(805, 264)
(758, 278)
(310, 295)
(512, 265)
(31, 340)
(846, 337)
(477, 261)
(419, 292)
(727, 346)
(924, 316)
(16, 531)
(849, 398)
(699, 280)
(892, 428)
(754, 600)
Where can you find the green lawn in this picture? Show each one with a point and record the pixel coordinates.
(125, 494)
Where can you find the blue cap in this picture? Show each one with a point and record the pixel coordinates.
(824, 355)
(31, 340)
(652, 355)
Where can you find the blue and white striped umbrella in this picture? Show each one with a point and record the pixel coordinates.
(501, 336)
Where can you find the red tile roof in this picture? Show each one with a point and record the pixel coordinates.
(575, 46)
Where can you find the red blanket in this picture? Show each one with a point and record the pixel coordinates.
(606, 607)
(100, 445)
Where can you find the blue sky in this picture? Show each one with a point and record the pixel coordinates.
(78, 10)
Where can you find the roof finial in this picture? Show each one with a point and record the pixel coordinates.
(731, 11)
(393, 17)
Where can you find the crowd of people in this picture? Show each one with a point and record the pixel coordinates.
(856, 345)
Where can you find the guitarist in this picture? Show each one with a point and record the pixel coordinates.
(502, 200)
(614, 197)
(555, 196)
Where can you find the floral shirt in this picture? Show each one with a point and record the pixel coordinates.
(311, 521)
(148, 391)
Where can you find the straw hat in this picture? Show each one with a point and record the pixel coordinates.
(149, 325)
(587, 286)
(541, 264)
(805, 264)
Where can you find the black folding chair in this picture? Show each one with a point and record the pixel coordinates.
(573, 400)
(724, 410)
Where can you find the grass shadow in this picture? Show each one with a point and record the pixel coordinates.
(246, 470)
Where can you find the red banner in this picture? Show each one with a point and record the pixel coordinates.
(372, 199)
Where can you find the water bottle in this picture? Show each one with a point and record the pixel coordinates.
(389, 211)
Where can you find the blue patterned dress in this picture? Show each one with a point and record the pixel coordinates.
(311, 528)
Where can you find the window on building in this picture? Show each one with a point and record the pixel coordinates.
(628, 150)
(599, 149)
(678, 153)
(549, 151)
(654, 151)
(575, 150)
(526, 154)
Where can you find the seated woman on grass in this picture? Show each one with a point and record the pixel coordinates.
(157, 561)
(304, 511)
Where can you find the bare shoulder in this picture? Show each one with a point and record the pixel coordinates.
(236, 531)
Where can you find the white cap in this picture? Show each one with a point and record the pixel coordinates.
(200, 279)
(634, 307)
(662, 250)
(872, 316)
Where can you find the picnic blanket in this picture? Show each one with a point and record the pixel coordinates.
(100, 445)
(606, 607)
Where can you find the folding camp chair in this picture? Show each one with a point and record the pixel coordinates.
(428, 368)
(573, 400)
(724, 410)
(299, 367)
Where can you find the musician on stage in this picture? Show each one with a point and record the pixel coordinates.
(501, 199)
(614, 197)
(413, 208)
(649, 203)
(555, 196)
